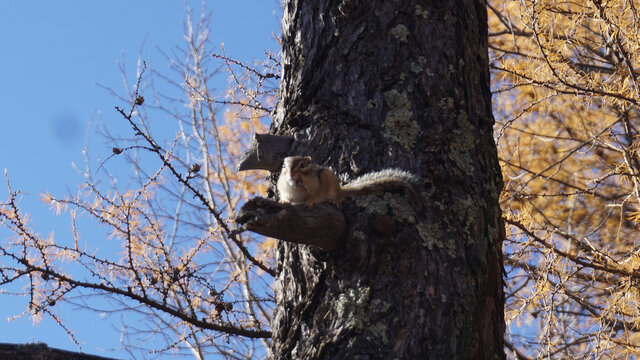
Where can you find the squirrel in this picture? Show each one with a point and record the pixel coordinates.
(302, 182)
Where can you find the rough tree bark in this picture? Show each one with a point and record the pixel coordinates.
(401, 83)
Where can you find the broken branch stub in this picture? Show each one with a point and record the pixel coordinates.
(266, 153)
(323, 225)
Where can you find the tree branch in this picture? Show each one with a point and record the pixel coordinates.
(321, 226)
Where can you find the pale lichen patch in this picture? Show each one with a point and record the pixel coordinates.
(421, 12)
(417, 66)
(376, 204)
(463, 143)
(467, 212)
(350, 307)
(400, 32)
(430, 235)
(358, 235)
(398, 124)
(433, 237)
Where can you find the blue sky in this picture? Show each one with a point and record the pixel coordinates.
(55, 53)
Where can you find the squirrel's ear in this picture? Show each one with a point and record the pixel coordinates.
(307, 158)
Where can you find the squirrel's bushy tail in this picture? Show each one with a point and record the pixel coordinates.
(381, 181)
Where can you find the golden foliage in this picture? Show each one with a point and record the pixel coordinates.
(566, 106)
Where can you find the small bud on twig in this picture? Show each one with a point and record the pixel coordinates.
(116, 150)
(219, 307)
(139, 100)
(195, 168)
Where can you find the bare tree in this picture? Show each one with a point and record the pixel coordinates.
(187, 284)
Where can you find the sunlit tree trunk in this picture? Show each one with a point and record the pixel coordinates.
(369, 85)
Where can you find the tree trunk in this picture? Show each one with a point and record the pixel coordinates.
(369, 85)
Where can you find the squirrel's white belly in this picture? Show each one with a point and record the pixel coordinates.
(295, 194)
